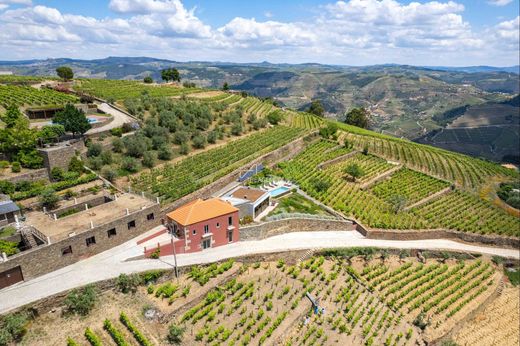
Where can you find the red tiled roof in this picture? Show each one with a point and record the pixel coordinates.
(200, 210)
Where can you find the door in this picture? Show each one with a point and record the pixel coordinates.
(206, 244)
(230, 236)
(10, 277)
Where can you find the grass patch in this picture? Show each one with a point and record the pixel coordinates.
(296, 203)
(513, 276)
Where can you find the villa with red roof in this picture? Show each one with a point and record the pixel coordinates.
(202, 224)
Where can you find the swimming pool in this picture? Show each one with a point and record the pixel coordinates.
(278, 191)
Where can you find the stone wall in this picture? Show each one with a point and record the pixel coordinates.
(48, 258)
(283, 153)
(32, 175)
(59, 156)
(92, 202)
(272, 228)
(487, 239)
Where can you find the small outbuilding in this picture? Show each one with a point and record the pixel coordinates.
(8, 211)
(249, 201)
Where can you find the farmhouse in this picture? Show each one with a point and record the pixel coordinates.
(202, 224)
(76, 230)
(249, 201)
(8, 211)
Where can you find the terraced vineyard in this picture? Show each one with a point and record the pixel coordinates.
(22, 80)
(331, 186)
(29, 96)
(303, 120)
(174, 181)
(465, 212)
(412, 185)
(121, 89)
(463, 170)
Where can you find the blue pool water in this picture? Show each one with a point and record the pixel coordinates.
(92, 120)
(278, 191)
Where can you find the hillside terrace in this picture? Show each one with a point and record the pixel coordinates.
(85, 220)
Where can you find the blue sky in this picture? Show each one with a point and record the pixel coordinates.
(350, 32)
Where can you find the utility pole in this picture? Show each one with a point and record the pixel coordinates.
(174, 257)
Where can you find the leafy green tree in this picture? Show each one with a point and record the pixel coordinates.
(237, 129)
(12, 116)
(329, 131)
(130, 164)
(51, 133)
(94, 149)
(358, 117)
(185, 149)
(354, 171)
(73, 120)
(165, 153)
(49, 199)
(148, 80)
(170, 75)
(259, 123)
(225, 87)
(65, 73)
(212, 137)
(316, 108)
(175, 334)
(118, 145)
(275, 117)
(398, 202)
(149, 159)
(320, 185)
(199, 141)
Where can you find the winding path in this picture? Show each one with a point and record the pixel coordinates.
(111, 263)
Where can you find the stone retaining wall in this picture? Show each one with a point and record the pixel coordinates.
(48, 258)
(283, 153)
(32, 175)
(272, 228)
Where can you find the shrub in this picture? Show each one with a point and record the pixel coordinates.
(175, 333)
(117, 131)
(6, 187)
(185, 149)
(71, 342)
(76, 165)
(14, 327)
(151, 275)
(9, 247)
(94, 149)
(275, 117)
(149, 159)
(114, 333)
(92, 337)
(30, 159)
(165, 153)
(57, 173)
(130, 164)
(109, 174)
(156, 254)
(16, 167)
(199, 141)
(81, 301)
(118, 145)
(48, 198)
(128, 283)
(141, 339)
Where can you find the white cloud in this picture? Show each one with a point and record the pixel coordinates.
(146, 6)
(345, 32)
(16, 2)
(499, 2)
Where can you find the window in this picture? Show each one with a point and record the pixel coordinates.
(131, 224)
(206, 229)
(90, 241)
(111, 232)
(218, 224)
(194, 232)
(230, 220)
(66, 250)
(150, 217)
(3, 217)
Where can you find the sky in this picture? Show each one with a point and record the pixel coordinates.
(348, 32)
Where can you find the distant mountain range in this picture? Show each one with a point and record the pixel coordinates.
(406, 101)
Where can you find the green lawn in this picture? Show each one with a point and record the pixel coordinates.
(514, 277)
(296, 203)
